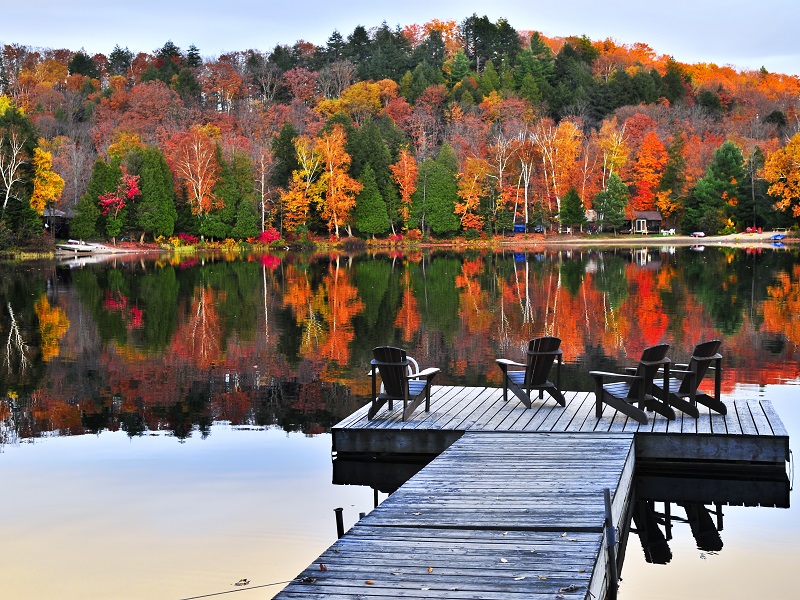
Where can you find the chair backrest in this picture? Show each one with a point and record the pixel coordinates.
(393, 366)
(653, 358)
(702, 357)
(541, 354)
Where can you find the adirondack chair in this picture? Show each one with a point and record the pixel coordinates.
(541, 354)
(681, 390)
(634, 387)
(399, 382)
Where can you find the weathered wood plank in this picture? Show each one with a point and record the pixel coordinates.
(774, 420)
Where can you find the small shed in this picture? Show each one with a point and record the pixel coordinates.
(646, 221)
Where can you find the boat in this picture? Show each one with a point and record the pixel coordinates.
(80, 247)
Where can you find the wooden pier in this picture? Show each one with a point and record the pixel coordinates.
(512, 505)
(497, 515)
(751, 431)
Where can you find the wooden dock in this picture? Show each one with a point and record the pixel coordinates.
(497, 515)
(751, 431)
(512, 505)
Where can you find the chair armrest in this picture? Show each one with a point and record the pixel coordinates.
(604, 374)
(508, 363)
(425, 374)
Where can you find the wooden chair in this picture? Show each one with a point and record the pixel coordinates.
(541, 354)
(634, 387)
(399, 382)
(681, 390)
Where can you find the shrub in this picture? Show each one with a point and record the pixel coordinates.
(268, 236)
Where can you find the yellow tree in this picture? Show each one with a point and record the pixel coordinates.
(471, 187)
(306, 185)
(782, 171)
(404, 174)
(559, 147)
(612, 141)
(340, 188)
(47, 184)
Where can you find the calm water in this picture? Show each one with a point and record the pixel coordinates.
(163, 432)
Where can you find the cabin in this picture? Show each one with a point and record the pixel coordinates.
(645, 221)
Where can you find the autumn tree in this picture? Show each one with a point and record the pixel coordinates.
(647, 171)
(306, 185)
(559, 147)
(613, 143)
(782, 171)
(196, 167)
(47, 185)
(340, 189)
(404, 174)
(471, 188)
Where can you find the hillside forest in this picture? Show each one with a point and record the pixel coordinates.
(419, 131)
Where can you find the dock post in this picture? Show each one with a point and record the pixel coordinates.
(339, 522)
(611, 547)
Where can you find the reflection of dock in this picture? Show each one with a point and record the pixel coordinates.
(512, 506)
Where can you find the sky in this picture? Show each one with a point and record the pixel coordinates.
(743, 34)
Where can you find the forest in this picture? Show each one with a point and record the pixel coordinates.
(420, 131)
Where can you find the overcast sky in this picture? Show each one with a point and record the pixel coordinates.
(745, 34)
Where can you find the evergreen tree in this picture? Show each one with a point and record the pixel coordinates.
(717, 193)
(81, 64)
(370, 213)
(457, 67)
(431, 51)
(246, 223)
(366, 147)
(434, 201)
(285, 156)
(573, 212)
(489, 80)
(610, 204)
(119, 61)
(155, 212)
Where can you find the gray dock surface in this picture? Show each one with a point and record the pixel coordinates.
(497, 515)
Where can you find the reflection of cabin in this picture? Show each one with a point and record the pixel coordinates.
(646, 221)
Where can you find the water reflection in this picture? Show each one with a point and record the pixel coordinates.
(144, 345)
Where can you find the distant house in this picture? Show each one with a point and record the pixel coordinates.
(646, 221)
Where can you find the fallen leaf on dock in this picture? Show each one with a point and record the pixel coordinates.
(503, 560)
(242, 582)
(542, 577)
(430, 569)
(322, 567)
(520, 578)
(570, 588)
(368, 582)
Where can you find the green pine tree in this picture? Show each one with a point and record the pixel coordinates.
(573, 213)
(611, 202)
(155, 213)
(370, 213)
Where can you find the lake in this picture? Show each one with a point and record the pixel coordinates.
(163, 422)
